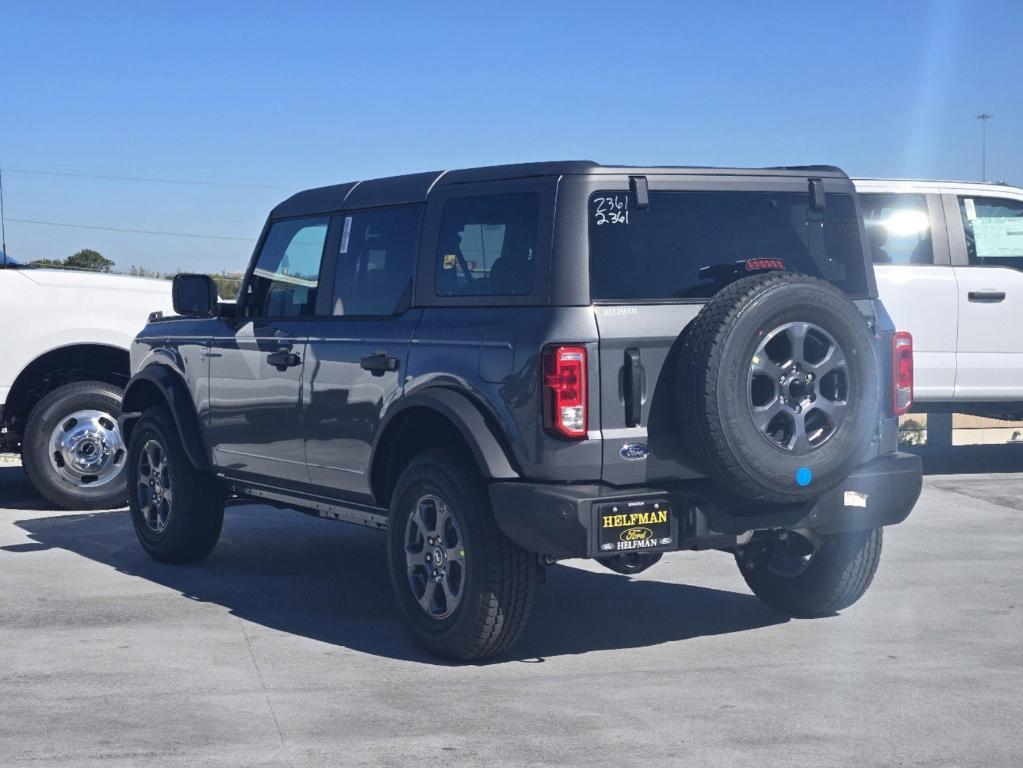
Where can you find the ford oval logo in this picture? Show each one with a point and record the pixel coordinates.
(634, 451)
(636, 534)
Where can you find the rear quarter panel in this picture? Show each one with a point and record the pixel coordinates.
(492, 356)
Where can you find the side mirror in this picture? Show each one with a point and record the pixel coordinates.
(194, 295)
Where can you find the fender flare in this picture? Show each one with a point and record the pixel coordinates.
(179, 402)
(491, 457)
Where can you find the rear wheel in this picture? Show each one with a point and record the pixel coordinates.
(72, 449)
(464, 590)
(811, 576)
(177, 510)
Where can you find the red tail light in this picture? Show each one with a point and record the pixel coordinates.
(902, 372)
(564, 395)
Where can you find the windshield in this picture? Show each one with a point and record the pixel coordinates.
(681, 244)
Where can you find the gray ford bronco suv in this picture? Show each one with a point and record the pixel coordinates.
(503, 367)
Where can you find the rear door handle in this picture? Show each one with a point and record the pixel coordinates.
(283, 359)
(632, 388)
(379, 363)
(988, 297)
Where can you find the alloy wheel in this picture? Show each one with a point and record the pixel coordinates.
(435, 557)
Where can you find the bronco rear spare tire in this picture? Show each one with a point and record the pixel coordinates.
(778, 387)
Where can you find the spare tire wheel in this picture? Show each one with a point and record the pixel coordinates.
(778, 387)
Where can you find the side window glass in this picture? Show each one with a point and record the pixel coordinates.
(376, 260)
(898, 227)
(994, 231)
(285, 277)
(487, 245)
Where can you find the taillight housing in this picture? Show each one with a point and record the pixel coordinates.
(564, 391)
(902, 372)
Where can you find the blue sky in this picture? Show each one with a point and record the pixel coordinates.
(300, 94)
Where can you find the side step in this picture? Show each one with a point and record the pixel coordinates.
(331, 509)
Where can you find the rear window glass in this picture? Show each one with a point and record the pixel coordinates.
(487, 245)
(683, 243)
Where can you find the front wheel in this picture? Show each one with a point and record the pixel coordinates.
(810, 575)
(72, 449)
(464, 590)
(177, 510)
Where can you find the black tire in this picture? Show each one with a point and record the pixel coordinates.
(193, 513)
(631, 563)
(715, 390)
(838, 574)
(496, 596)
(52, 477)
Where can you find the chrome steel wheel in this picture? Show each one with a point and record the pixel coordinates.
(435, 557)
(798, 387)
(153, 490)
(86, 448)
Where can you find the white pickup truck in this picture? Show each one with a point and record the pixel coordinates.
(62, 373)
(948, 257)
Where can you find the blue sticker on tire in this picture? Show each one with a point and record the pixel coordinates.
(803, 476)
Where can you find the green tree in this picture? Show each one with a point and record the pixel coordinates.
(46, 263)
(89, 259)
(227, 285)
(135, 271)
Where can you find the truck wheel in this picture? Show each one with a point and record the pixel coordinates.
(177, 510)
(463, 588)
(780, 388)
(811, 579)
(72, 449)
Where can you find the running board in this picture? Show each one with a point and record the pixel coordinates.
(348, 512)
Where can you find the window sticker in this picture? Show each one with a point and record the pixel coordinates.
(998, 236)
(346, 234)
(971, 208)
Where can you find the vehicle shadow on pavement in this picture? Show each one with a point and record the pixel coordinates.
(330, 583)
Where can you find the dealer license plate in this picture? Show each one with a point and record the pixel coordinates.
(634, 526)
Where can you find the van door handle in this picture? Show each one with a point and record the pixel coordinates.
(986, 297)
(283, 359)
(379, 363)
(632, 388)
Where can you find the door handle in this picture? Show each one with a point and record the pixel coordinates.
(632, 388)
(987, 297)
(379, 363)
(283, 359)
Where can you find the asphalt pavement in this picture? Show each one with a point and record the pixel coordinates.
(284, 648)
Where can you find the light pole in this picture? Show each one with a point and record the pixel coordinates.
(3, 226)
(983, 117)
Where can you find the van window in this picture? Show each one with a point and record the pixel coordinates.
(284, 280)
(898, 228)
(680, 246)
(376, 259)
(994, 231)
(487, 245)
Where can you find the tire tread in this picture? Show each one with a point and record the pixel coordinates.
(509, 571)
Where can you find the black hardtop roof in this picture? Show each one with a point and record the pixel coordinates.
(414, 188)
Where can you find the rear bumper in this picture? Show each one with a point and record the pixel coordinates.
(562, 520)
